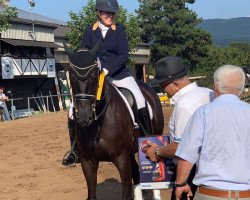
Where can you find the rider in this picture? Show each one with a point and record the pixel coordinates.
(112, 43)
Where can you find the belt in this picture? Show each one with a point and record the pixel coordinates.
(224, 193)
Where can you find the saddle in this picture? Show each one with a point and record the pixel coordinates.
(130, 101)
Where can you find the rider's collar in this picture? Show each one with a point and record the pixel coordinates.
(96, 25)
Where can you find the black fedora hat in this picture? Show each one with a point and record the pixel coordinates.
(169, 69)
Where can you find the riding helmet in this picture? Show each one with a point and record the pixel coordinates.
(107, 5)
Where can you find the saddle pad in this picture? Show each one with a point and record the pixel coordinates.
(130, 109)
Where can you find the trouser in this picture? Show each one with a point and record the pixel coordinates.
(130, 84)
(199, 196)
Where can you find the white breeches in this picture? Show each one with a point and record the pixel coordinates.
(130, 84)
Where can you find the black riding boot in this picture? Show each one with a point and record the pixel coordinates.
(71, 156)
(145, 121)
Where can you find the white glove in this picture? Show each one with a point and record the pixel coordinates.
(105, 71)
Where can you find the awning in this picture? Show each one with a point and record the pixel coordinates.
(31, 43)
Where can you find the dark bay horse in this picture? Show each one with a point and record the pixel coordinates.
(105, 130)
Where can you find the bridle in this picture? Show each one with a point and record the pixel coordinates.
(88, 97)
(91, 68)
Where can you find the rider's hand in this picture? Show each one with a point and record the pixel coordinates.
(181, 191)
(105, 71)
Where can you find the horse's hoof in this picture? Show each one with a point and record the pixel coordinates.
(70, 159)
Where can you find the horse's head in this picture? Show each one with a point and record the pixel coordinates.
(84, 74)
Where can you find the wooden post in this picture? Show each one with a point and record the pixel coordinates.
(144, 73)
(52, 102)
(69, 85)
(29, 106)
(58, 93)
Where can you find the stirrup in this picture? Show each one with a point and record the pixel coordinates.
(67, 154)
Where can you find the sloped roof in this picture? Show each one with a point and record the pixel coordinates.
(30, 43)
(61, 31)
(26, 17)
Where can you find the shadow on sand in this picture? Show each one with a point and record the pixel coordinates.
(112, 189)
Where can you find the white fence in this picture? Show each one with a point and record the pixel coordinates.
(42, 102)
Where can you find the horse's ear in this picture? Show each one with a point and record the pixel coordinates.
(69, 51)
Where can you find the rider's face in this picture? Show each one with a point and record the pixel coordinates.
(107, 18)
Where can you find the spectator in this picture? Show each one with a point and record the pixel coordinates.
(3, 98)
(217, 138)
(171, 75)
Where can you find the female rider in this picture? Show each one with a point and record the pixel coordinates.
(113, 55)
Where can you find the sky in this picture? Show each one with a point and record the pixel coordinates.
(206, 9)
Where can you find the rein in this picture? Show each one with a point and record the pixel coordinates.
(106, 103)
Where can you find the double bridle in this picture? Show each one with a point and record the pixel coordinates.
(88, 97)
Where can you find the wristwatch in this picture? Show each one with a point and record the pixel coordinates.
(180, 185)
(157, 155)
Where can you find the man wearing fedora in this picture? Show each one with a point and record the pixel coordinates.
(187, 97)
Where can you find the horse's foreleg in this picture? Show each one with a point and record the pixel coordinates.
(90, 172)
(123, 165)
(135, 170)
(136, 178)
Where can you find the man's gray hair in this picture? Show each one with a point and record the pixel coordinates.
(230, 79)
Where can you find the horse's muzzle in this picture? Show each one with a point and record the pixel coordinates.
(85, 119)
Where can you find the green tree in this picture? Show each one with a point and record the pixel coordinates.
(171, 29)
(7, 14)
(236, 54)
(79, 21)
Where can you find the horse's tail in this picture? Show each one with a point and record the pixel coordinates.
(153, 99)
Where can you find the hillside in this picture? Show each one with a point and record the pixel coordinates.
(226, 31)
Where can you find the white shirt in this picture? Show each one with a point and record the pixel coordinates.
(104, 29)
(217, 138)
(186, 102)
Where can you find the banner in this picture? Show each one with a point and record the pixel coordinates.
(7, 70)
